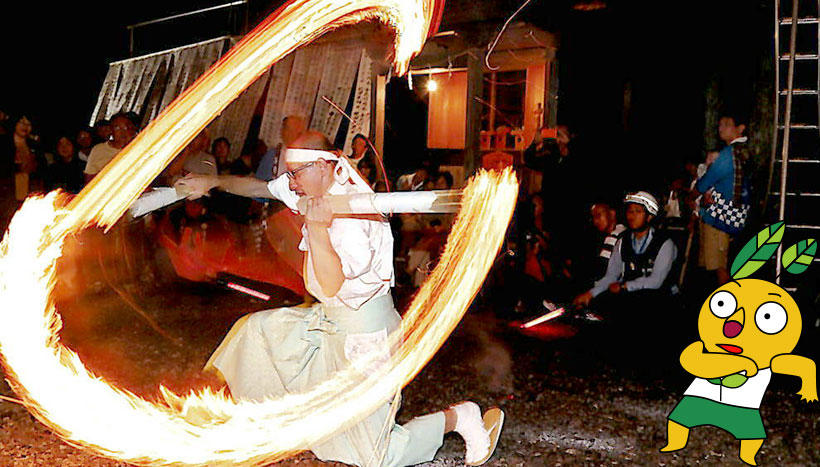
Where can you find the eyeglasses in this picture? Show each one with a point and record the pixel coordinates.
(292, 173)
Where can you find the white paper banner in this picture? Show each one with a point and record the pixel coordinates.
(271, 128)
(361, 102)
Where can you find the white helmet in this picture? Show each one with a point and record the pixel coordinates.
(644, 199)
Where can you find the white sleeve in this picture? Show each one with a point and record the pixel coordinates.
(279, 188)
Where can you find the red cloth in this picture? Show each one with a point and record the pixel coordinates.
(200, 255)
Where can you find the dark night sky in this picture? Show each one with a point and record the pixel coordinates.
(667, 55)
(56, 56)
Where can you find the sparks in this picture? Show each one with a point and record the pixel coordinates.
(207, 428)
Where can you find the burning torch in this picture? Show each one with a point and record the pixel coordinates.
(405, 202)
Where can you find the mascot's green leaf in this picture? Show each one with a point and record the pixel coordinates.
(757, 251)
(799, 256)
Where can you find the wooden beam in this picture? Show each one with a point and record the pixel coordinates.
(505, 60)
(475, 88)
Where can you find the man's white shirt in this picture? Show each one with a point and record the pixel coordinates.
(364, 246)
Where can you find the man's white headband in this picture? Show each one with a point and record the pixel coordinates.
(303, 156)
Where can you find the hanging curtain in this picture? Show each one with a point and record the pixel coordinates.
(360, 113)
(308, 65)
(153, 101)
(140, 94)
(271, 127)
(129, 89)
(337, 79)
(183, 61)
(299, 81)
(108, 90)
(233, 123)
(147, 84)
(127, 78)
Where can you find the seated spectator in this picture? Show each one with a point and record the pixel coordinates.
(84, 142)
(66, 173)
(432, 235)
(192, 159)
(443, 181)
(103, 131)
(361, 151)
(413, 181)
(123, 131)
(604, 218)
(539, 275)
(367, 168)
(640, 262)
(197, 160)
(270, 166)
(244, 164)
(221, 149)
(21, 157)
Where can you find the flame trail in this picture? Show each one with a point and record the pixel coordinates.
(206, 428)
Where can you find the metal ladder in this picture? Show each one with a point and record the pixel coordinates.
(797, 138)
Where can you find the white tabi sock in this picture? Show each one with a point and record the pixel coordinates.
(471, 427)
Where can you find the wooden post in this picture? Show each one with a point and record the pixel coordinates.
(551, 98)
(381, 92)
(475, 88)
(493, 103)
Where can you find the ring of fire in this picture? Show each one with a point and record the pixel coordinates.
(206, 428)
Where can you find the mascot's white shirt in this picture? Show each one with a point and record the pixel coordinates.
(364, 245)
(749, 395)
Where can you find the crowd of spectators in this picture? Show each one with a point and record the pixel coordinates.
(628, 266)
(631, 257)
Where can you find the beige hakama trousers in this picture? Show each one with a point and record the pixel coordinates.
(289, 350)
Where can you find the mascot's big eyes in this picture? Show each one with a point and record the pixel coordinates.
(771, 317)
(723, 304)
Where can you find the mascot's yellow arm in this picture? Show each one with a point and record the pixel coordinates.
(714, 365)
(803, 368)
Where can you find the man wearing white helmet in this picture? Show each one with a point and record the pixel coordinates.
(641, 259)
(349, 269)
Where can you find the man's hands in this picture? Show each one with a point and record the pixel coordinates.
(318, 213)
(616, 287)
(583, 299)
(196, 186)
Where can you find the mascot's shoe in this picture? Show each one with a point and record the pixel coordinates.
(493, 422)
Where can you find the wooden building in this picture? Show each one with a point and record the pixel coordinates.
(480, 103)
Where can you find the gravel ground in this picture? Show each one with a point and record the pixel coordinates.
(564, 404)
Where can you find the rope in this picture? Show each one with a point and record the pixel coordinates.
(498, 37)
